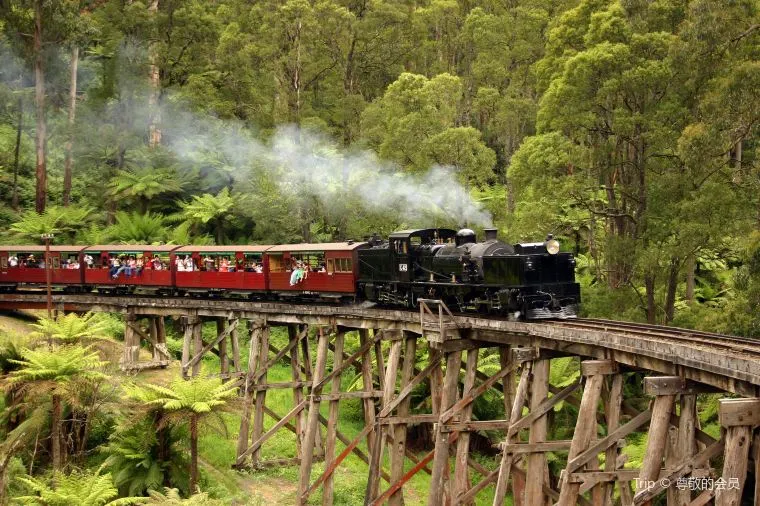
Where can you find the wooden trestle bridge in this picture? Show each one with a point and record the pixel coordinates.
(680, 458)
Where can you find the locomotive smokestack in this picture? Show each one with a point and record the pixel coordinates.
(491, 233)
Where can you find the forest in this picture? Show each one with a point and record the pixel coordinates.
(628, 129)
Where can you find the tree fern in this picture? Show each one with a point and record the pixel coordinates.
(64, 222)
(77, 489)
(188, 400)
(71, 328)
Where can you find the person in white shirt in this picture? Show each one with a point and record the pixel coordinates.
(88, 261)
(13, 261)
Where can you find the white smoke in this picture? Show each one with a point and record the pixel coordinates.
(303, 162)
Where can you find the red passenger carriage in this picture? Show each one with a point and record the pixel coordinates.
(154, 273)
(21, 265)
(327, 270)
(239, 269)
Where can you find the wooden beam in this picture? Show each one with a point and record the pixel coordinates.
(461, 471)
(739, 412)
(546, 446)
(658, 433)
(328, 493)
(443, 439)
(400, 430)
(612, 415)
(260, 377)
(611, 439)
(594, 367)
(535, 477)
(505, 466)
(312, 423)
(735, 462)
(585, 430)
(673, 385)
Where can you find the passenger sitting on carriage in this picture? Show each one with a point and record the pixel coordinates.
(31, 261)
(115, 266)
(299, 274)
(189, 264)
(224, 265)
(208, 263)
(13, 261)
(131, 267)
(88, 261)
(258, 268)
(157, 264)
(139, 265)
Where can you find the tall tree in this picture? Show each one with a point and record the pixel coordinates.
(40, 136)
(72, 116)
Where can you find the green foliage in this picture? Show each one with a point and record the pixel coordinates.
(198, 395)
(137, 460)
(56, 367)
(75, 489)
(71, 328)
(136, 228)
(64, 222)
(210, 208)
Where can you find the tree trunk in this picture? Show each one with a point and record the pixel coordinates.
(154, 138)
(651, 306)
(17, 153)
(670, 295)
(39, 101)
(72, 115)
(193, 453)
(55, 433)
(219, 231)
(691, 267)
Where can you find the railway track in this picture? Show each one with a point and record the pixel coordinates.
(661, 332)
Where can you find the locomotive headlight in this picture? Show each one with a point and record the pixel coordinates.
(552, 246)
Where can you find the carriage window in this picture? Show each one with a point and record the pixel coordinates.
(343, 265)
(3, 263)
(253, 262)
(276, 263)
(314, 261)
(416, 240)
(330, 265)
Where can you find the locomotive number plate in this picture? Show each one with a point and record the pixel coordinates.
(402, 267)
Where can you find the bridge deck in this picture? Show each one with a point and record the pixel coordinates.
(724, 362)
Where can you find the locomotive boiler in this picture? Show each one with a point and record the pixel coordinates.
(523, 281)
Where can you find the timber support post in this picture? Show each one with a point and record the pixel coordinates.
(594, 372)
(738, 417)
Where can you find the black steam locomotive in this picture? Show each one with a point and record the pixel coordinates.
(524, 281)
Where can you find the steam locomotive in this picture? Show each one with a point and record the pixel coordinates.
(524, 281)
